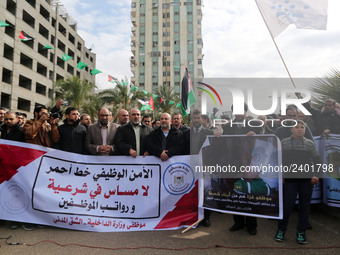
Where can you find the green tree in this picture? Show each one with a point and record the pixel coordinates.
(121, 97)
(327, 88)
(79, 93)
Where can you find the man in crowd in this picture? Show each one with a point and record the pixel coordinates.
(11, 130)
(130, 138)
(284, 132)
(177, 122)
(165, 141)
(147, 120)
(156, 124)
(123, 117)
(43, 129)
(100, 136)
(72, 135)
(238, 129)
(2, 115)
(20, 118)
(327, 120)
(206, 121)
(85, 120)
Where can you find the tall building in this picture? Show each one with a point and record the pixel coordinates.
(27, 71)
(166, 38)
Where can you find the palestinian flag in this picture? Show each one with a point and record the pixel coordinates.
(95, 71)
(81, 65)
(25, 37)
(66, 57)
(134, 88)
(112, 79)
(188, 96)
(147, 105)
(124, 83)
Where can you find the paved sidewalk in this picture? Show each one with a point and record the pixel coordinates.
(325, 233)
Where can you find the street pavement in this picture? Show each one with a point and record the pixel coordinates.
(324, 238)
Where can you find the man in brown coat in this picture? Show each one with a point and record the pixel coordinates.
(100, 136)
(41, 130)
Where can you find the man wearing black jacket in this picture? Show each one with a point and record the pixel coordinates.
(72, 135)
(165, 141)
(130, 138)
(11, 130)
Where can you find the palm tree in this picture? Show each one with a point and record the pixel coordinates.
(79, 93)
(327, 88)
(121, 97)
(169, 103)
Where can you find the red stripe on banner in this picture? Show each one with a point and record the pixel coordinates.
(185, 212)
(13, 157)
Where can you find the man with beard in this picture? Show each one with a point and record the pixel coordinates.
(2, 115)
(43, 129)
(177, 122)
(11, 128)
(72, 135)
(165, 141)
(85, 120)
(100, 136)
(130, 138)
(123, 117)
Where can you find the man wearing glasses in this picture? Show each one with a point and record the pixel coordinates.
(100, 136)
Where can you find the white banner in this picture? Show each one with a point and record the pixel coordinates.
(95, 193)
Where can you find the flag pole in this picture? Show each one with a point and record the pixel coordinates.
(277, 48)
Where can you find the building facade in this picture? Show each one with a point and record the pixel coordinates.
(27, 71)
(166, 39)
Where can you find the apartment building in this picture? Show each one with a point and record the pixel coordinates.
(27, 71)
(166, 39)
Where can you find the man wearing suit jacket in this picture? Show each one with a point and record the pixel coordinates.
(100, 136)
(130, 138)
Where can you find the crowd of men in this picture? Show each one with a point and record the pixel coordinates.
(134, 135)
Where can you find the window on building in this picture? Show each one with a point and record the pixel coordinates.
(154, 24)
(155, 84)
(8, 52)
(7, 75)
(141, 74)
(166, 63)
(60, 63)
(24, 104)
(44, 13)
(189, 13)
(43, 31)
(70, 69)
(154, 44)
(79, 46)
(166, 43)
(166, 24)
(142, 14)
(25, 82)
(154, 33)
(133, 5)
(26, 61)
(176, 13)
(71, 38)
(166, 15)
(28, 19)
(166, 73)
(41, 69)
(42, 51)
(40, 89)
(9, 30)
(155, 63)
(166, 53)
(165, 6)
(199, 41)
(11, 7)
(5, 100)
(142, 5)
(142, 34)
(62, 29)
(31, 2)
(155, 14)
(199, 61)
(52, 39)
(61, 46)
(70, 53)
(198, 2)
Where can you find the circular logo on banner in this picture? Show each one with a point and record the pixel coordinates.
(14, 198)
(178, 178)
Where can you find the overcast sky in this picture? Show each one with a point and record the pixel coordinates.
(236, 40)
